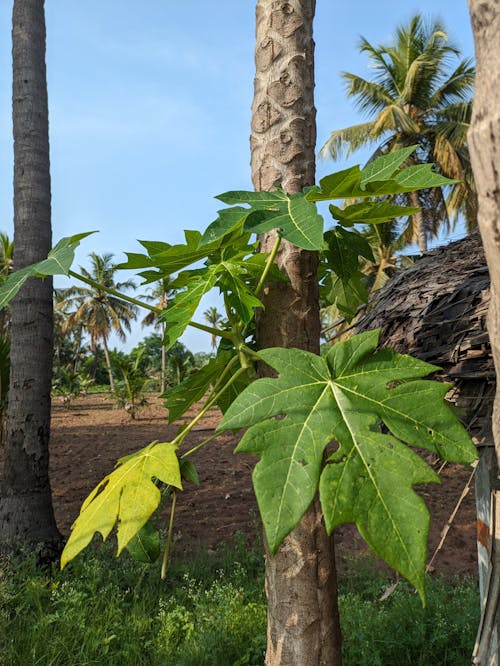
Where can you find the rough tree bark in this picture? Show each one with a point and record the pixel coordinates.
(303, 621)
(484, 141)
(26, 513)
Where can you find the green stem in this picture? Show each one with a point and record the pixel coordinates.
(209, 403)
(168, 545)
(113, 292)
(200, 445)
(269, 263)
(213, 331)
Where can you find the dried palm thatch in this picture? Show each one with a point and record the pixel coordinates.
(436, 310)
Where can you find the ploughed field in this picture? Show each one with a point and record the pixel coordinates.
(90, 434)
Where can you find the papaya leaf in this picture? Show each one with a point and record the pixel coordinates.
(345, 398)
(421, 176)
(239, 295)
(261, 199)
(386, 166)
(145, 545)
(128, 496)
(370, 212)
(189, 472)
(344, 249)
(347, 294)
(227, 220)
(58, 262)
(181, 308)
(338, 185)
(294, 215)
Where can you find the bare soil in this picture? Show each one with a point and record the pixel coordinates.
(89, 436)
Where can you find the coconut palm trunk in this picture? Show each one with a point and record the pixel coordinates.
(108, 365)
(484, 139)
(26, 514)
(303, 626)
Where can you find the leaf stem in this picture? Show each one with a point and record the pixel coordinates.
(213, 331)
(114, 292)
(209, 403)
(200, 445)
(269, 263)
(168, 545)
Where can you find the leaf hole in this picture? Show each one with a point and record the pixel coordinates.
(332, 447)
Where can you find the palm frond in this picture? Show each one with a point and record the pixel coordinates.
(344, 142)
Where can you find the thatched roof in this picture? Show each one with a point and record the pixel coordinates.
(436, 310)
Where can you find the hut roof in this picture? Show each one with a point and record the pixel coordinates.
(436, 310)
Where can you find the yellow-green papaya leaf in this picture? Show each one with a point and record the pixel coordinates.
(128, 496)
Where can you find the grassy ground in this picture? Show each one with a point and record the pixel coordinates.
(211, 612)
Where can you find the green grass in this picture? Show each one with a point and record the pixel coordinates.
(211, 612)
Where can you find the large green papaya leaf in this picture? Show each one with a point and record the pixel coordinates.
(344, 400)
(127, 495)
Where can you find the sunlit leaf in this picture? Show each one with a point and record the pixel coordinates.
(345, 398)
(127, 497)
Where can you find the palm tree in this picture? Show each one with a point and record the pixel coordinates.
(213, 317)
(161, 295)
(26, 513)
(98, 311)
(417, 98)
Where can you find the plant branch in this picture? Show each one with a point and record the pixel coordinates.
(200, 445)
(115, 293)
(209, 403)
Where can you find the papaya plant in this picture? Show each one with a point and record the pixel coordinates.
(341, 425)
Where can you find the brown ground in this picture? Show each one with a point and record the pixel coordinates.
(90, 435)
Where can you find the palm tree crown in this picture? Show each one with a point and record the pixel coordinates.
(98, 311)
(418, 96)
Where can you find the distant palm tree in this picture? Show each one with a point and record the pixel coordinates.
(416, 98)
(213, 317)
(161, 295)
(99, 312)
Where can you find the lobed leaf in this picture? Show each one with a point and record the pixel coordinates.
(346, 398)
(128, 496)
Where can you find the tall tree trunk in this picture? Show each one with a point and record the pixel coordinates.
(108, 365)
(484, 142)
(26, 512)
(301, 585)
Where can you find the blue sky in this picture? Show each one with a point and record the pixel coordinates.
(150, 109)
